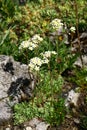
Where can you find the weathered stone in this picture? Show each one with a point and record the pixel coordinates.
(83, 43)
(72, 98)
(33, 123)
(36, 124)
(77, 121)
(16, 85)
(5, 111)
(78, 62)
(83, 37)
(42, 126)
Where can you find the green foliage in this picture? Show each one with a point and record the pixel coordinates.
(79, 77)
(7, 8)
(47, 103)
(83, 121)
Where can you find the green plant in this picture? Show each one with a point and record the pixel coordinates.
(83, 123)
(6, 8)
(79, 77)
(46, 104)
(19, 24)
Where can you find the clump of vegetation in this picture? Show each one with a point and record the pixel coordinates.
(47, 103)
(30, 34)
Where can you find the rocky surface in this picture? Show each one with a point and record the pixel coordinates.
(82, 63)
(34, 124)
(83, 43)
(72, 98)
(16, 85)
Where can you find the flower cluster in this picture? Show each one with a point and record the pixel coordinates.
(36, 39)
(27, 44)
(73, 29)
(24, 44)
(35, 63)
(31, 43)
(46, 55)
(56, 24)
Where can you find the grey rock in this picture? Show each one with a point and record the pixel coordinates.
(42, 126)
(83, 43)
(77, 121)
(83, 37)
(34, 122)
(5, 111)
(16, 85)
(72, 98)
(79, 63)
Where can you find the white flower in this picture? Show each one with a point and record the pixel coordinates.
(56, 24)
(37, 68)
(32, 43)
(53, 52)
(35, 63)
(47, 54)
(31, 65)
(24, 44)
(45, 61)
(36, 60)
(72, 29)
(36, 39)
(28, 44)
